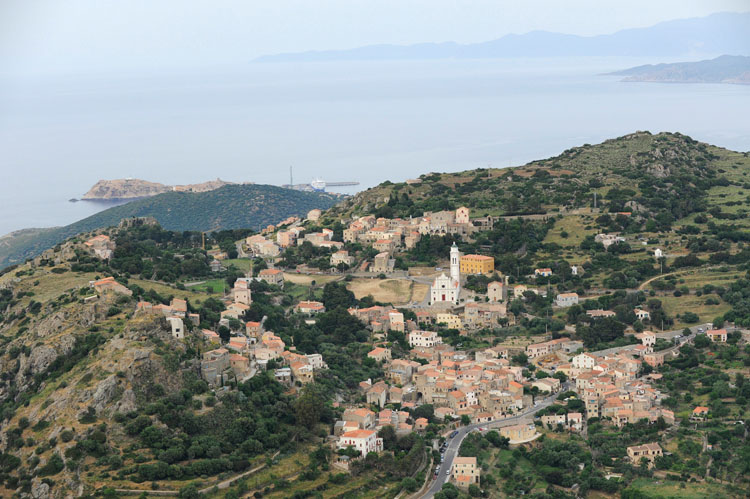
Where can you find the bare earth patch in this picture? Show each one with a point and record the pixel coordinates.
(396, 291)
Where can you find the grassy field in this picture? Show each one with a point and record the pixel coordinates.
(213, 286)
(396, 291)
(244, 264)
(667, 489)
(691, 303)
(307, 280)
(575, 226)
(364, 485)
(50, 285)
(301, 292)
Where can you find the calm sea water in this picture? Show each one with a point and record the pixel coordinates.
(366, 122)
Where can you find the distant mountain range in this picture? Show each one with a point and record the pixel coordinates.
(229, 207)
(724, 69)
(722, 33)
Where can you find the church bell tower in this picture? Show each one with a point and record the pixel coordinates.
(455, 266)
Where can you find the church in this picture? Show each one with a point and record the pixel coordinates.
(447, 289)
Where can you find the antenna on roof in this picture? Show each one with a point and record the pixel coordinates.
(291, 179)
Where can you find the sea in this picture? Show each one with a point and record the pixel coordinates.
(340, 121)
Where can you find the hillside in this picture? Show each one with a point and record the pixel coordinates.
(724, 69)
(721, 33)
(663, 177)
(229, 207)
(160, 381)
(96, 395)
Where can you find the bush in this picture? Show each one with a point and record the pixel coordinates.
(690, 317)
(54, 466)
(409, 484)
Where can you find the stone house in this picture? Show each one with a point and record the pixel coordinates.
(646, 451)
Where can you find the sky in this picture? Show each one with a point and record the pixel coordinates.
(59, 36)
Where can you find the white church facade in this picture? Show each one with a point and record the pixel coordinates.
(446, 289)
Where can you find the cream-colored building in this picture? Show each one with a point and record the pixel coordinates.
(465, 471)
(648, 451)
(496, 291)
(424, 339)
(272, 276)
(451, 321)
(519, 433)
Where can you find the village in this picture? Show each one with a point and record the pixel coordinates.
(485, 386)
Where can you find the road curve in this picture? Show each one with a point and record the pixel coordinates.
(455, 443)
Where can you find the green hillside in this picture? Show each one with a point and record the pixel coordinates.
(663, 177)
(230, 207)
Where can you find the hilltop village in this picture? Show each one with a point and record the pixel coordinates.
(378, 349)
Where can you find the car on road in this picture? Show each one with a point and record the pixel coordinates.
(448, 471)
(454, 433)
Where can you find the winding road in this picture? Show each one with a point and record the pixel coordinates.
(455, 443)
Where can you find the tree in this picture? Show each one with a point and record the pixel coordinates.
(520, 359)
(496, 440)
(309, 406)
(474, 491)
(701, 341)
(409, 484)
(189, 492)
(388, 434)
(336, 295)
(465, 420)
(224, 333)
(426, 411)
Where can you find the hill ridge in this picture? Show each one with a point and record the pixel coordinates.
(228, 207)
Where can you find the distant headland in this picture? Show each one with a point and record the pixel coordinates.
(724, 69)
(133, 188)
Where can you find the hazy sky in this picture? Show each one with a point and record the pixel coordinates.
(93, 35)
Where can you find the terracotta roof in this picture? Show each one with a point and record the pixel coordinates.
(465, 460)
(358, 434)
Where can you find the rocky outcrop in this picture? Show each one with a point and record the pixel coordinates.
(133, 188)
(51, 324)
(129, 188)
(658, 170)
(39, 489)
(104, 393)
(127, 402)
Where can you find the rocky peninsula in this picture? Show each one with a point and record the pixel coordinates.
(133, 188)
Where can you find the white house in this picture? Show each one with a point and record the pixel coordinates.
(365, 441)
(583, 362)
(566, 299)
(178, 328)
(424, 339)
(642, 314)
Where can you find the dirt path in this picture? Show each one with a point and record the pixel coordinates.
(226, 483)
(676, 272)
(649, 281)
(221, 485)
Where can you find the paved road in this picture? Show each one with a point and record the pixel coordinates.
(455, 443)
(666, 335)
